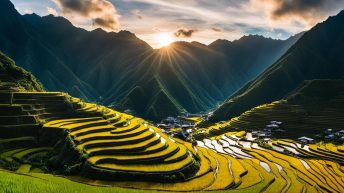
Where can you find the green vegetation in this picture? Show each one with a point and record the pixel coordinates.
(45, 133)
(122, 70)
(11, 74)
(39, 183)
(94, 143)
(314, 56)
(315, 106)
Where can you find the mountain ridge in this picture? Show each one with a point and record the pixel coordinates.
(316, 55)
(105, 67)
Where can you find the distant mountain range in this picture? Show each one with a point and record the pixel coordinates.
(318, 54)
(122, 70)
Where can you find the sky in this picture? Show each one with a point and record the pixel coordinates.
(160, 22)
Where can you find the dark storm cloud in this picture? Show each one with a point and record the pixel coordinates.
(301, 7)
(102, 12)
(309, 10)
(107, 23)
(216, 29)
(184, 32)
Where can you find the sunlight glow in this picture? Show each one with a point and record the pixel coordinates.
(164, 39)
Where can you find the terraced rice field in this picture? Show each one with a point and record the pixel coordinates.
(111, 148)
(299, 117)
(115, 145)
(315, 168)
(20, 154)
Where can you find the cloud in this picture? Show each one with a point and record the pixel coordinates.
(52, 11)
(216, 29)
(310, 11)
(102, 13)
(137, 13)
(184, 32)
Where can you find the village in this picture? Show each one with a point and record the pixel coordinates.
(181, 127)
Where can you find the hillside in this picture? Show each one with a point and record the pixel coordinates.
(309, 110)
(64, 135)
(316, 55)
(110, 67)
(10, 75)
(45, 133)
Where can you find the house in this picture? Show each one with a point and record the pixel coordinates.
(306, 140)
(328, 131)
(279, 130)
(181, 135)
(267, 130)
(189, 130)
(129, 111)
(162, 125)
(276, 122)
(264, 134)
(185, 126)
(341, 139)
(329, 137)
(170, 120)
(273, 126)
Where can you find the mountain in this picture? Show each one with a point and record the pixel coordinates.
(10, 75)
(318, 54)
(121, 70)
(91, 148)
(308, 110)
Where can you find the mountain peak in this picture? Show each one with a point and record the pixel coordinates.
(126, 32)
(5, 4)
(219, 42)
(254, 37)
(316, 55)
(7, 7)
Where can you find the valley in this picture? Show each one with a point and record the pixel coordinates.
(123, 71)
(88, 106)
(45, 133)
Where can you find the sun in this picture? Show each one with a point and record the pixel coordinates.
(164, 39)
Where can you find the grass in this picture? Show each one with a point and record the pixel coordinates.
(195, 184)
(39, 183)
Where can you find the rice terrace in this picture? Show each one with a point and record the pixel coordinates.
(85, 107)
